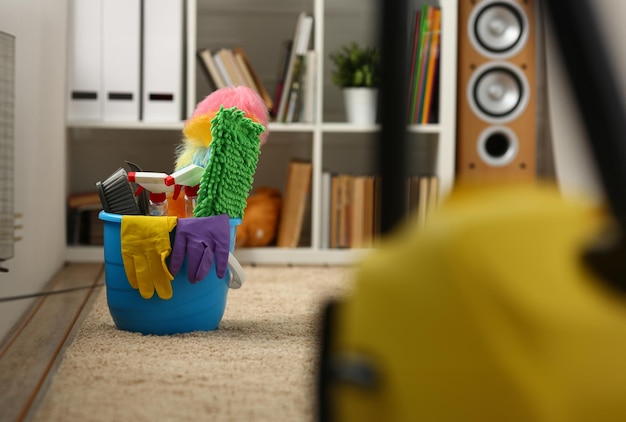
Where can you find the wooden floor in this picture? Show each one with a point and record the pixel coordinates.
(32, 351)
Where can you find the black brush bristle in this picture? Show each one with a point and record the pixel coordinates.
(116, 194)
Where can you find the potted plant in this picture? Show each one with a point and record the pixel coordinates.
(357, 72)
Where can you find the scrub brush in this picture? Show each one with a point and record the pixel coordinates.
(116, 194)
(228, 176)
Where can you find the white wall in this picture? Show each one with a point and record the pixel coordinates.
(40, 30)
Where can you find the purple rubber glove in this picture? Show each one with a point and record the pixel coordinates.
(204, 240)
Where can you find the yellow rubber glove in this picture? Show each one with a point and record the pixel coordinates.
(145, 245)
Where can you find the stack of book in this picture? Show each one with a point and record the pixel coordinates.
(424, 61)
(295, 92)
(294, 98)
(231, 67)
(351, 206)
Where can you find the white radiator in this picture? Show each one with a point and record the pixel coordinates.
(7, 86)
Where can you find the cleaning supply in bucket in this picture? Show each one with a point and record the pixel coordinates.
(203, 241)
(224, 135)
(142, 198)
(154, 183)
(151, 181)
(188, 180)
(192, 307)
(228, 177)
(158, 204)
(145, 244)
(186, 176)
(188, 262)
(116, 194)
(198, 131)
(191, 199)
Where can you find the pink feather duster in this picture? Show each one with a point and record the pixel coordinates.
(197, 128)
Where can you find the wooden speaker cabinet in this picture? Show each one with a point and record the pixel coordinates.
(496, 126)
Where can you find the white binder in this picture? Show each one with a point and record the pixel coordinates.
(121, 55)
(85, 61)
(163, 60)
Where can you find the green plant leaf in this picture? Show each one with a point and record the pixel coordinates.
(356, 66)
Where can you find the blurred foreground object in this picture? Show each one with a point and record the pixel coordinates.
(489, 314)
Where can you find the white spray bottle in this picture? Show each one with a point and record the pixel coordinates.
(154, 183)
(188, 178)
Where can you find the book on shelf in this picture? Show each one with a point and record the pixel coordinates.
(356, 212)
(231, 67)
(245, 72)
(424, 64)
(210, 68)
(424, 37)
(258, 83)
(422, 204)
(351, 207)
(433, 195)
(413, 61)
(334, 212)
(326, 207)
(301, 41)
(344, 211)
(411, 191)
(296, 199)
(282, 74)
(295, 91)
(352, 210)
(310, 86)
(221, 67)
(423, 197)
(301, 101)
(431, 67)
(433, 108)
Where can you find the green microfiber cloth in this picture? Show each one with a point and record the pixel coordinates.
(228, 176)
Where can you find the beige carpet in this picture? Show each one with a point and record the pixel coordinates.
(260, 365)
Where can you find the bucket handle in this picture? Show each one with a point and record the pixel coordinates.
(237, 274)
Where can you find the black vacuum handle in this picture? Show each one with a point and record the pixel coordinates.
(599, 99)
(598, 96)
(392, 106)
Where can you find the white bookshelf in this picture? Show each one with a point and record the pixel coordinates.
(311, 139)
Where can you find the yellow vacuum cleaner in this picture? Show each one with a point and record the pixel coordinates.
(510, 305)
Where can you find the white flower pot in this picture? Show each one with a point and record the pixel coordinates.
(361, 104)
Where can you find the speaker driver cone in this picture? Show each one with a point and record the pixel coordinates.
(498, 92)
(498, 29)
(497, 146)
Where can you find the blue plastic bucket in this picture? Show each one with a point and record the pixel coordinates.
(193, 307)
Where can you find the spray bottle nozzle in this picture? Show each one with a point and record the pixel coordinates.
(187, 176)
(151, 181)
